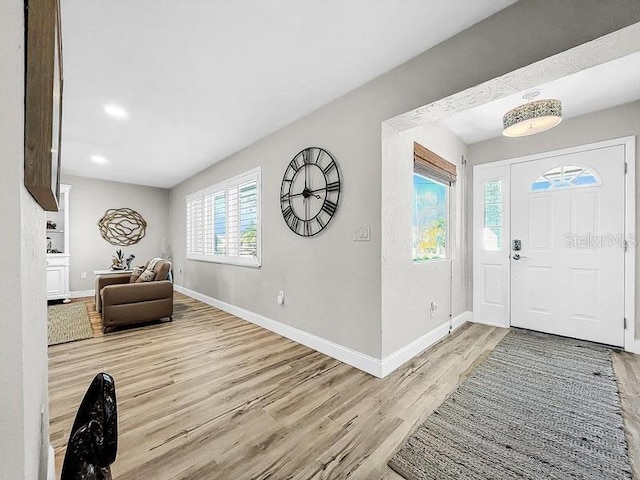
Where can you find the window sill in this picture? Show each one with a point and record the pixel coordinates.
(249, 262)
(432, 261)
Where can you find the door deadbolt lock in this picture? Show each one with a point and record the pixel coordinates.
(517, 245)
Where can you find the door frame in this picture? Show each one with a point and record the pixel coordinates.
(629, 144)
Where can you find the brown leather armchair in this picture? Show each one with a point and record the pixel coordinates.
(124, 303)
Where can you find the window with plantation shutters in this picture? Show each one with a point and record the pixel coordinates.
(194, 226)
(223, 221)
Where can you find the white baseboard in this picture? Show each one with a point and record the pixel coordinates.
(354, 358)
(51, 464)
(403, 355)
(82, 293)
(361, 361)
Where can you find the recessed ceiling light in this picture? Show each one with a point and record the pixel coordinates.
(98, 159)
(115, 111)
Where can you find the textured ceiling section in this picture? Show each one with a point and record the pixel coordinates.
(603, 86)
(188, 83)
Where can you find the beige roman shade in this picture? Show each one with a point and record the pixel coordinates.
(431, 165)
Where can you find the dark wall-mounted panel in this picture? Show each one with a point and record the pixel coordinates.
(43, 102)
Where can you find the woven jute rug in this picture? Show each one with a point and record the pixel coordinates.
(539, 407)
(68, 323)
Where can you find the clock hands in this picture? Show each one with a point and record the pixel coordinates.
(306, 207)
(306, 160)
(308, 193)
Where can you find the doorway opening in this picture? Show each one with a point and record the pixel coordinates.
(553, 242)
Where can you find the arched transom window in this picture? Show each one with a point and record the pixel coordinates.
(565, 176)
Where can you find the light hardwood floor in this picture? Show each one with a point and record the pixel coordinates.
(211, 396)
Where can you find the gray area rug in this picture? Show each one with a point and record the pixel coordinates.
(68, 323)
(539, 407)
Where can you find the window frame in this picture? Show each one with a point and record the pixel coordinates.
(555, 185)
(213, 190)
(447, 231)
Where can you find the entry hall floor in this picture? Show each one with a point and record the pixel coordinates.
(211, 396)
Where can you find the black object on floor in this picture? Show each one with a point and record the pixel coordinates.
(93, 442)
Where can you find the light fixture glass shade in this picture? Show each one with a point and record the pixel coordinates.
(532, 117)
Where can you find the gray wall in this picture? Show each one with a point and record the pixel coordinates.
(333, 285)
(615, 122)
(23, 341)
(408, 288)
(89, 199)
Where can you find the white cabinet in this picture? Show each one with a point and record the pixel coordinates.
(57, 281)
(58, 248)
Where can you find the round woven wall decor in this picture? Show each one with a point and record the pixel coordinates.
(122, 227)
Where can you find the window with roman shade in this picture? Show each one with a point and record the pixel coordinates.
(433, 177)
(433, 166)
(223, 221)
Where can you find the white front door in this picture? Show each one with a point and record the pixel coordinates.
(567, 273)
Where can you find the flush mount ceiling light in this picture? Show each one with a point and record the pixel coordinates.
(98, 159)
(115, 111)
(532, 117)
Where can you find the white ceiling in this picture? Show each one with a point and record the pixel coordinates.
(607, 85)
(202, 79)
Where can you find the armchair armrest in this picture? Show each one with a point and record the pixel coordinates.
(115, 279)
(104, 280)
(136, 292)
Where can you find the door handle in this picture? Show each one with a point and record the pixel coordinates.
(517, 256)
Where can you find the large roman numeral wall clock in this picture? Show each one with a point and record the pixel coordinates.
(310, 191)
